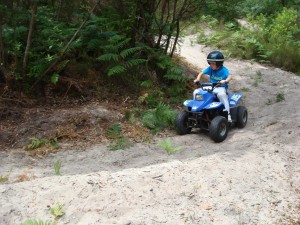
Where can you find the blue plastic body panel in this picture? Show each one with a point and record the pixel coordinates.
(209, 101)
(234, 99)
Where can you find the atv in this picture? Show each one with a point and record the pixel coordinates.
(206, 112)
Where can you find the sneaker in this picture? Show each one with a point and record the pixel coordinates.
(229, 118)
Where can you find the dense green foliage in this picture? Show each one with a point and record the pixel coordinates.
(273, 38)
(115, 37)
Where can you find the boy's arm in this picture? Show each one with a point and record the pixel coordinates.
(229, 78)
(199, 77)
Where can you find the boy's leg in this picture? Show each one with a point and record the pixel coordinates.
(222, 96)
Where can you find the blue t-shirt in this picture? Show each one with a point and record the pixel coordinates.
(217, 75)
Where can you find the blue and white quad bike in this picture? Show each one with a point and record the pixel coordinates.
(206, 112)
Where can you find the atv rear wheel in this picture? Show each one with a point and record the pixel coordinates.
(242, 116)
(181, 123)
(218, 129)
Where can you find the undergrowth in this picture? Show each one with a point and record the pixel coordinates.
(265, 39)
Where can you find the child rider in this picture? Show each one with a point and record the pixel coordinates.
(218, 73)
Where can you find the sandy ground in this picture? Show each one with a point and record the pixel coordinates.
(250, 178)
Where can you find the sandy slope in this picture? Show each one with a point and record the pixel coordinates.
(251, 178)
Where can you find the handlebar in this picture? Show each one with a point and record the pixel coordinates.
(212, 85)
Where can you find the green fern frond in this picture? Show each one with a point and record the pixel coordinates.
(57, 211)
(116, 38)
(109, 57)
(123, 43)
(94, 44)
(57, 166)
(149, 120)
(134, 62)
(110, 48)
(120, 143)
(116, 70)
(54, 78)
(116, 43)
(168, 147)
(125, 53)
(35, 143)
(147, 84)
(175, 69)
(174, 76)
(165, 115)
(38, 222)
(164, 61)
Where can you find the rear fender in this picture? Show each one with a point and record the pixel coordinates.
(234, 99)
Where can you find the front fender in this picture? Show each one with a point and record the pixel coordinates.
(214, 105)
(194, 105)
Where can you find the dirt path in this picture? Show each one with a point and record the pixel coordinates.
(251, 178)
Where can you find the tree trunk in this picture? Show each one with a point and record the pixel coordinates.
(29, 37)
(1, 43)
(176, 38)
(160, 24)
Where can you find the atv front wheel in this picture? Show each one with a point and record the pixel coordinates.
(181, 123)
(242, 116)
(218, 129)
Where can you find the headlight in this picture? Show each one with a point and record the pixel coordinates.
(199, 97)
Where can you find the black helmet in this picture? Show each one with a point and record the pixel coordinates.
(216, 56)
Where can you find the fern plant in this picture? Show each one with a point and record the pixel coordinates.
(118, 140)
(6, 177)
(159, 118)
(280, 97)
(114, 131)
(168, 147)
(57, 211)
(120, 143)
(39, 142)
(38, 222)
(57, 166)
(36, 143)
(120, 56)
